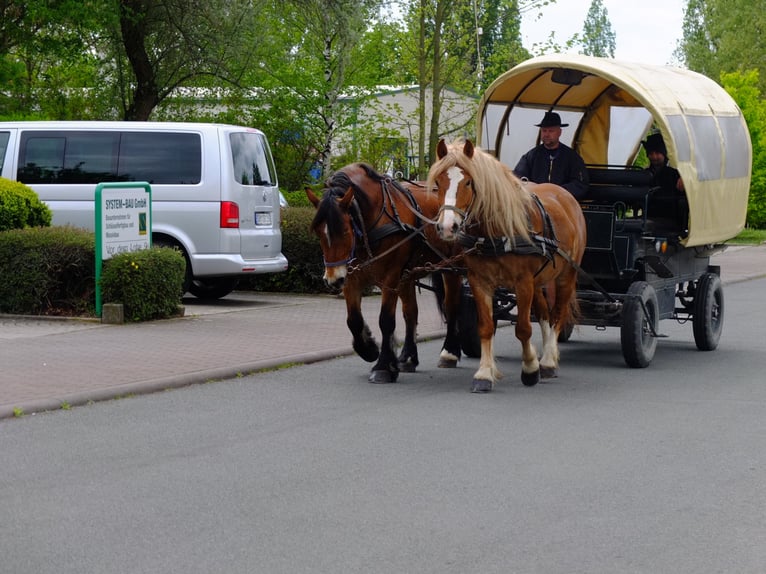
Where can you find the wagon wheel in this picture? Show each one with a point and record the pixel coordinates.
(638, 342)
(707, 321)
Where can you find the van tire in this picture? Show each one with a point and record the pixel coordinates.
(212, 287)
(172, 244)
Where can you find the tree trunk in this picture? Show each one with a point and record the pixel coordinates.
(145, 93)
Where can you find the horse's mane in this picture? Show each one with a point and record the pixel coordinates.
(501, 204)
(335, 187)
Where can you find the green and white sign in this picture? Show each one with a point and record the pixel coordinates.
(123, 222)
(126, 221)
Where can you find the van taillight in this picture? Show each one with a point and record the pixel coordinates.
(229, 214)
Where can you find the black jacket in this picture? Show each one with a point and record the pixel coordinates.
(566, 169)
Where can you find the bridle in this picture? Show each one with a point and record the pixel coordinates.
(463, 213)
(356, 231)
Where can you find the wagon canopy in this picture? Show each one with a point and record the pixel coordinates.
(610, 107)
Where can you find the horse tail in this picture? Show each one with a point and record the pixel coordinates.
(437, 286)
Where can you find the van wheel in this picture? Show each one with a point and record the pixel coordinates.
(212, 287)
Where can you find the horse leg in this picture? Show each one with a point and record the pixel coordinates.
(530, 366)
(386, 370)
(549, 361)
(408, 358)
(450, 353)
(363, 342)
(565, 301)
(484, 378)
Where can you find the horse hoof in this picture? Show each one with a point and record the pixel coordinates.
(447, 363)
(548, 372)
(382, 377)
(481, 386)
(408, 367)
(530, 379)
(368, 353)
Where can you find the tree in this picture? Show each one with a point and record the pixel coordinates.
(598, 38)
(743, 87)
(43, 48)
(724, 36)
(152, 47)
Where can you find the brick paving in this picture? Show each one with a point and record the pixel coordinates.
(47, 363)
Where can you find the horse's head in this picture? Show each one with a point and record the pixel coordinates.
(473, 184)
(454, 185)
(333, 224)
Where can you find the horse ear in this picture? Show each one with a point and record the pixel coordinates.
(347, 198)
(312, 198)
(468, 148)
(441, 149)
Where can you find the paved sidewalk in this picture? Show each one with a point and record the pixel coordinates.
(45, 363)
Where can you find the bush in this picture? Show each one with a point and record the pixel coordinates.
(20, 207)
(47, 270)
(302, 250)
(298, 198)
(148, 283)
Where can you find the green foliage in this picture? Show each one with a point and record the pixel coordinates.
(749, 237)
(296, 199)
(148, 283)
(724, 36)
(20, 207)
(47, 270)
(302, 250)
(598, 38)
(744, 89)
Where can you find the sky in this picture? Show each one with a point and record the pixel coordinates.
(646, 30)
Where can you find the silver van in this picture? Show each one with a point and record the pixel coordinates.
(214, 187)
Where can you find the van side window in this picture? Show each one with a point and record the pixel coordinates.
(252, 161)
(4, 136)
(161, 158)
(95, 157)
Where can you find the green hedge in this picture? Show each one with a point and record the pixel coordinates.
(47, 270)
(148, 283)
(301, 247)
(20, 207)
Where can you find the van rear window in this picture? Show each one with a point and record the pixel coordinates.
(253, 164)
(95, 157)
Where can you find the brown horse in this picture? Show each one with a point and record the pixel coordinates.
(523, 236)
(372, 232)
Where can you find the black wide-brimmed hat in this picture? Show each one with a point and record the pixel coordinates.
(654, 142)
(551, 119)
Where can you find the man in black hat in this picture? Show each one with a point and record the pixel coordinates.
(668, 200)
(554, 161)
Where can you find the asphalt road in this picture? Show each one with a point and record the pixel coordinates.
(311, 469)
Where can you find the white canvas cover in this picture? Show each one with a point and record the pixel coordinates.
(610, 106)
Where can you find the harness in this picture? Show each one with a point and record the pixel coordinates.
(544, 244)
(394, 226)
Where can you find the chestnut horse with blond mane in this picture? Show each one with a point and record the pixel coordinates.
(523, 236)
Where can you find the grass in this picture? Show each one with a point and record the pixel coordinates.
(749, 237)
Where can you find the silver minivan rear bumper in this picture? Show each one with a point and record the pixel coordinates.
(216, 265)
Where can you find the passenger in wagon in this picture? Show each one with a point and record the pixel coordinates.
(669, 199)
(553, 161)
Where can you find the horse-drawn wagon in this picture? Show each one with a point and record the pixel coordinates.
(640, 264)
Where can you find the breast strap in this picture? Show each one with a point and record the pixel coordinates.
(544, 243)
